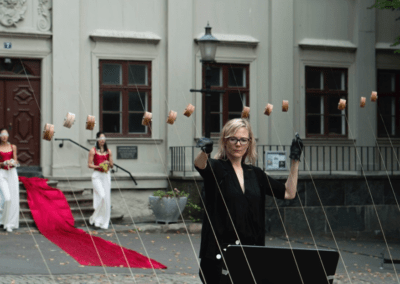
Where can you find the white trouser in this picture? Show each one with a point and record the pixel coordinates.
(9, 199)
(101, 199)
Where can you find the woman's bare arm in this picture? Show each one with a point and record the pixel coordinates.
(201, 160)
(291, 183)
(90, 160)
(15, 154)
(111, 162)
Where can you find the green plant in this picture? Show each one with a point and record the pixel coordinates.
(194, 210)
(392, 5)
(170, 194)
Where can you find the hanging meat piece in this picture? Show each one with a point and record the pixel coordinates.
(245, 112)
(172, 117)
(285, 106)
(268, 109)
(48, 131)
(90, 122)
(147, 118)
(189, 110)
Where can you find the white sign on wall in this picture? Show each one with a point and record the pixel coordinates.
(275, 160)
(7, 45)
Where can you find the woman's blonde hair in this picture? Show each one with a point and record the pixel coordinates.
(230, 128)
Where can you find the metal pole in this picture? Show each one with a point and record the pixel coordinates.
(208, 102)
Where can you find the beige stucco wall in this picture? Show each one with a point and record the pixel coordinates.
(282, 37)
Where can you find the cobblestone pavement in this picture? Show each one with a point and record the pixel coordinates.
(101, 278)
(127, 278)
(21, 261)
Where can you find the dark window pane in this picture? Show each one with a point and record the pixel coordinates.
(314, 79)
(112, 122)
(216, 102)
(314, 124)
(135, 123)
(112, 74)
(386, 126)
(216, 76)
(315, 104)
(216, 123)
(335, 124)
(386, 105)
(386, 82)
(111, 101)
(137, 74)
(234, 115)
(137, 101)
(14, 66)
(333, 103)
(237, 77)
(335, 80)
(19, 69)
(236, 102)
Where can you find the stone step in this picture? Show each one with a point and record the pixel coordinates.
(68, 192)
(76, 212)
(30, 171)
(116, 218)
(52, 183)
(83, 201)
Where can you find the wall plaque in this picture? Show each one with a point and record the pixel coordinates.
(275, 161)
(127, 152)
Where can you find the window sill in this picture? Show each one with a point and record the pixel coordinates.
(215, 139)
(127, 141)
(329, 141)
(388, 142)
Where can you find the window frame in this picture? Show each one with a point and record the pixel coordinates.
(125, 88)
(326, 93)
(225, 99)
(396, 95)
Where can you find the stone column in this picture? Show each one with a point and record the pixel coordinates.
(365, 75)
(65, 97)
(281, 71)
(180, 66)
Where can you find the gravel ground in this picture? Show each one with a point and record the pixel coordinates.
(127, 278)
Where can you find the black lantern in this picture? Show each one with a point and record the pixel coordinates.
(208, 45)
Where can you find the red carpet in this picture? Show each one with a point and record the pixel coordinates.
(54, 220)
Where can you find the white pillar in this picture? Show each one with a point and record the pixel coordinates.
(180, 78)
(66, 83)
(365, 75)
(281, 72)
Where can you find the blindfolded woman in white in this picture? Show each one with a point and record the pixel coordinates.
(100, 159)
(9, 185)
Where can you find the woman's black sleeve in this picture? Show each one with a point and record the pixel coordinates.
(207, 172)
(271, 186)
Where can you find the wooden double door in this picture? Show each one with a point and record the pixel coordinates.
(20, 106)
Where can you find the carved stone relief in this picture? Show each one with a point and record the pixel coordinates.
(11, 12)
(44, 10)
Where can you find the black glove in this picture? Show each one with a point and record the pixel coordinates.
(296, 148)
(205, 144)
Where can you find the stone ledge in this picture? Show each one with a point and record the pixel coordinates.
(118, 177)
(127, 36)
(327, 43)
(128, 141)
(32, 34)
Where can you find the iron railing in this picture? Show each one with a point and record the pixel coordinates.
(321, 159)
(72, 141)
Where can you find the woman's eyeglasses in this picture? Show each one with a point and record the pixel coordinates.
(234, 140)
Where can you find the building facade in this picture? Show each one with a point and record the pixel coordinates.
(117, 59)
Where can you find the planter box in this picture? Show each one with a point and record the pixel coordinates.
(165, 209)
